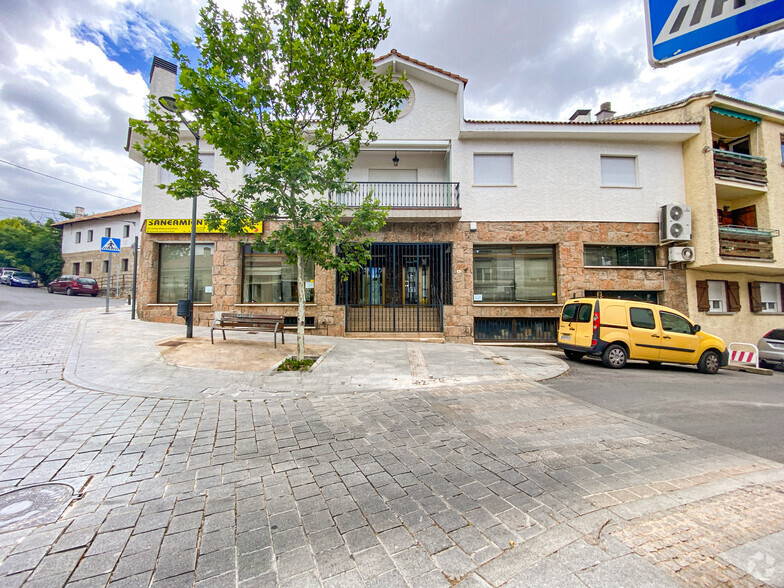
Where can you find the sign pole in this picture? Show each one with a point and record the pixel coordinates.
(133, 285)
(108, 281)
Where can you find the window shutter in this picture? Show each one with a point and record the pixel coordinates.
(733, 296)
(755, 297)
(703, 305)
(781, 291)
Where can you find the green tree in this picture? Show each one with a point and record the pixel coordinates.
(290, 89)
(31, 247)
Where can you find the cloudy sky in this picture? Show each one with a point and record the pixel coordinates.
(72, 73)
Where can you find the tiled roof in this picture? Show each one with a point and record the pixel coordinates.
(421, 63)
(695, 96)
(136, 208)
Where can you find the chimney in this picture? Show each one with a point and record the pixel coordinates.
(163, 78)
(605, 112)
(79, 212)
(581, 116)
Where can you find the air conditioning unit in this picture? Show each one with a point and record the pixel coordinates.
(675, 223)
(681, 254)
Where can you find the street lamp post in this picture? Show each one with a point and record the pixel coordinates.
(170, 104)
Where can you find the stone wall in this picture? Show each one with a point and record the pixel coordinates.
(97, 258)
(572, 278)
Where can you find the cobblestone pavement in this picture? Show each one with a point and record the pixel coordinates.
(510, 484)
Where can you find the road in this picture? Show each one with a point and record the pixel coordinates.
(736, 409)
(16, 299)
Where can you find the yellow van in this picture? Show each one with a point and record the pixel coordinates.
(619, 330)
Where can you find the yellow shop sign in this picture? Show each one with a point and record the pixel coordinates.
(183, 225)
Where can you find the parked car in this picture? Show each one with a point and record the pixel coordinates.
(73, 285)
(771, 349)
(619, 330)
(23, 279)
(5, 274)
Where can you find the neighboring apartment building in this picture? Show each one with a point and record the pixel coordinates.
(734, 170)
(81, 245)
(493, 225)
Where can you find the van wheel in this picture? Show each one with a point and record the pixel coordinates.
(615, 356)
(576, 356)
(709, 362)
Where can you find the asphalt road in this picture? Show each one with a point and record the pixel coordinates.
(735, 409)
(16, 299)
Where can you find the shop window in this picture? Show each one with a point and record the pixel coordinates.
(650, 296)
(619, 171)
(532, 330)
(174, 259)
(718, 296)
(269, 278)
(514, 273)
(493, 169)
(766, 296)
(620, 255)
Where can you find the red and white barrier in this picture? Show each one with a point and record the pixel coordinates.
(744, 356)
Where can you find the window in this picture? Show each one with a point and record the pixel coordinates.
(105, 266)
(642, 318)
(107, 232)
(75, 269)
(90, 236)
(718, 296)
(650, 296)
(514, 273)
(88, 267)
(124, 264)
(602, 255)
(619, 172)
(165, 176)
(493, 169)
(542, 330)
(207, 161)
(672, 323)
(78, 237)
(126, 230)
(782, 148)
(173, 269)
(766, 296)
(577, 313)
(269, 278)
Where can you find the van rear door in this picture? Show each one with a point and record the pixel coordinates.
(576, 327)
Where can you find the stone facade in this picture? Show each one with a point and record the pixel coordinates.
(572, 277)
(96, 258)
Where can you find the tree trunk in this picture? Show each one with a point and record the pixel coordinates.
(300, 307)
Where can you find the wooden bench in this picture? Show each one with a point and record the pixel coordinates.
(232, 321)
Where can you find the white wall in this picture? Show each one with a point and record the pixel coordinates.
(560, 180)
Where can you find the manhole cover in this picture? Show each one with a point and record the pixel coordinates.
(172, 343)
(34, 505)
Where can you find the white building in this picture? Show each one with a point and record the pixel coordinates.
(493, 224)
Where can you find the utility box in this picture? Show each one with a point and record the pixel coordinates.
(184, 308)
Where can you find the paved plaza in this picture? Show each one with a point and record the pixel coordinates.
(390, 464)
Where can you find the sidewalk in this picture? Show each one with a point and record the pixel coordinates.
(416, 465)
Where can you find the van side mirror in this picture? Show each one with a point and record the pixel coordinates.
(696, 329)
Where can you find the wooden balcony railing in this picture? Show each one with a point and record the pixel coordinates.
(738, 167)
(746, 242)
(403, 194)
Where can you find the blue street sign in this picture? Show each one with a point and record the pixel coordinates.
(110, 245)
(679, 29)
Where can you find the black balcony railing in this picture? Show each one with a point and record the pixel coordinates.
(402, 194)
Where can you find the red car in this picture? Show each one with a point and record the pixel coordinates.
(73, 285)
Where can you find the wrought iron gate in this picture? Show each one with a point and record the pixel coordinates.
(402, 289)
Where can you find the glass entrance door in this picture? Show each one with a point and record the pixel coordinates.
(416, 280)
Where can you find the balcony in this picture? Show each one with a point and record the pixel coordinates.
(746, 243)
(739, 175)
(408, 201)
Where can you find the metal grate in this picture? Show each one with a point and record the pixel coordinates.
(402, 289)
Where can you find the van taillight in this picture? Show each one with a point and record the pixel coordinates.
(595, 338)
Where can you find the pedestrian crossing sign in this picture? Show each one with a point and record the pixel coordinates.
(110, 245)
(679, 29)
